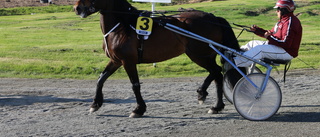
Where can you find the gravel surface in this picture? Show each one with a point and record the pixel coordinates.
(60, 107)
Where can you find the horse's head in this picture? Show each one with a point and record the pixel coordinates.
(84, 8)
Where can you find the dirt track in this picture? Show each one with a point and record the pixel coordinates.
(55, 107)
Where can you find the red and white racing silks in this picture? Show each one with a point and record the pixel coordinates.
(287, 34)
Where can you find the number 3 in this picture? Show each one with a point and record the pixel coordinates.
(145, 25)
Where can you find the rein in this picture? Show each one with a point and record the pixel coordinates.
(139, 12)
(92, 9)
(244, 28)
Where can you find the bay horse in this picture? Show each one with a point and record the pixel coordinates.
(122, 45)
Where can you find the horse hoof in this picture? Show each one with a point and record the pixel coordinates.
(213, 111)
(134, 115)
(201, 102)
(93, 110)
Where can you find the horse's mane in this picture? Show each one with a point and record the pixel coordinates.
(123, 5)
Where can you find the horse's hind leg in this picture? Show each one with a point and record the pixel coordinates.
(219, 102)
(215, 74)
(202, 90)
(132, 72)
(98, 98)
(209, 63)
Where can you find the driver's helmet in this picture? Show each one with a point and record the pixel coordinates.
(289, 4)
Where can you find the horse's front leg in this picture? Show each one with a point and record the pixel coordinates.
(132, 72)
(98, 98)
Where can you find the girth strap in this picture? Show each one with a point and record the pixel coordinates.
(140, 49)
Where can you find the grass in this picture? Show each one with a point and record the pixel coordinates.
(53, 42)
(32, 10)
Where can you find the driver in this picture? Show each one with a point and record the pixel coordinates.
(283, 41)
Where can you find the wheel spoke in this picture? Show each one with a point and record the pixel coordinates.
(256, 109)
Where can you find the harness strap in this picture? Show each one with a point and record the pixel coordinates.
(141, 38)
(106, 35)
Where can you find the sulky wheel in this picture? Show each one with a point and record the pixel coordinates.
(252, 108)
(228, 88)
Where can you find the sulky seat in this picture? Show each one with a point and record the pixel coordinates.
(277, 62)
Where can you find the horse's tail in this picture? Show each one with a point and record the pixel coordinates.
(230, 40)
